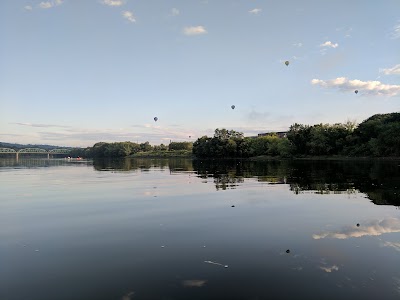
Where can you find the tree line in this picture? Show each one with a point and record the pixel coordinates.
(376, 136)
(123, 149)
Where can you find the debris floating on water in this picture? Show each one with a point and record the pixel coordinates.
(215, 263)
(233, 206)
(163, 246)
(287, 251)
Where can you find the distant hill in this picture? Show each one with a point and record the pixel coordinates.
(22, 146)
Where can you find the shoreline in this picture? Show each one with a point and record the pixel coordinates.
(265, 157)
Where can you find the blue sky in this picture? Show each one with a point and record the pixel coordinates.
(73, 72)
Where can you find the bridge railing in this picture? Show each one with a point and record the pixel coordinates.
(7, 150)
(34, 151)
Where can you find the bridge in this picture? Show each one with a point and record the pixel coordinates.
(34, 151)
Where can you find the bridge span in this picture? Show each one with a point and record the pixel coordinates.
(34, 151)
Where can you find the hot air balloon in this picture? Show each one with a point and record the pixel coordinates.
(287, 63)
(356, 91)
(155, 119)
(233, 106)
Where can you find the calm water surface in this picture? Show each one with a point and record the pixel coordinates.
(177, 229)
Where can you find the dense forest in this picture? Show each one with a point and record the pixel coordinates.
(377, 136)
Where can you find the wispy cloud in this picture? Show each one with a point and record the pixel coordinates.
(175, 12)
(262, 119)
(395, 246)
(370, 88)
(298, 45)
(391, 71)
(329, 269)
(258, 116)
(87, 136)
(329, 44)
(395, 34)
(194, 30)
(41, 125)
(129, 16)
(346, 30)
(128, 296)
(194, 283)
(396, 282)
(45, 5)
(50, 4)
(294, 57)
(28, 7)
(255, 11)
(374, 228)
(113, 2)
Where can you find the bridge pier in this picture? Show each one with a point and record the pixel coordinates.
(48, 155)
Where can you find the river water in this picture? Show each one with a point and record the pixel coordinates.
(183, 229)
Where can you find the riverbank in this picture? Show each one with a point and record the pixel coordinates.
(189, 155)
(163, 154)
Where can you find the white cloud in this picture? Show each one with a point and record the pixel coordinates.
(28, 7)
(298, 45)
(373, 228)
(396, 32)
(391, 71)
(255, 11)
(329, 44)
(113, 2)
(175, 12)
(370, 88)
(45, 5)
(129, 16)
(194, 30)
(50, 4)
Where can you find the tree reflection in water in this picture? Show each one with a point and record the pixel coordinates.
(379, 180)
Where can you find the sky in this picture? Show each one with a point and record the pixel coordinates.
(74, 72)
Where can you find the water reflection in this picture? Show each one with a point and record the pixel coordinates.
(194, 283)
(373, 228)
(36, 162)
(165, 229)
(379, 180)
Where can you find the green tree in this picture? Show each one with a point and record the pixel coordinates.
(145, 147)
(180, 146)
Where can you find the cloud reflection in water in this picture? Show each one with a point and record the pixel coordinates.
(194, 283)
(374, 228)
